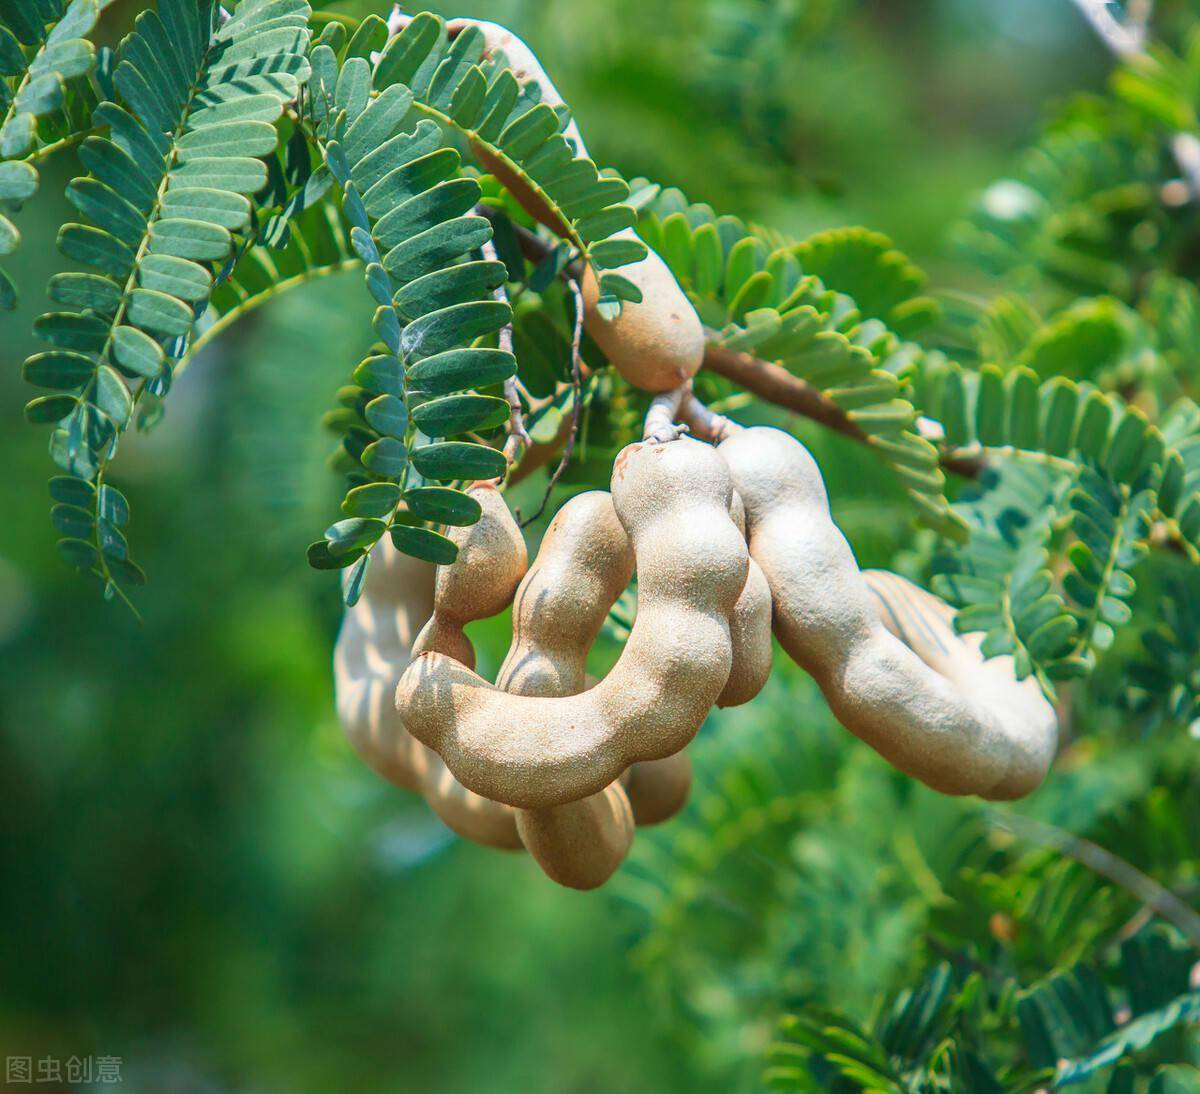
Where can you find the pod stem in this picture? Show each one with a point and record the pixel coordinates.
(660, 427)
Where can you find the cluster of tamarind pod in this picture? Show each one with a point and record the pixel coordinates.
(729, 533)
(730, 542)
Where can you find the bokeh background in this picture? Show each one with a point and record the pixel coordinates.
(198, 876)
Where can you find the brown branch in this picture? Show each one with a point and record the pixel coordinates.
(768, 381)
(776, 385)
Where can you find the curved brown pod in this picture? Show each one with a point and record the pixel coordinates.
(925, 624)
(657, 344)
(374, 646)
(584, 563)
(659, 789)
(957, 739)
(491, 561)
(673, 499)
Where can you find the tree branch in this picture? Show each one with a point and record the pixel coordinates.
(1125, 40)
(768, 381)
(776, 385)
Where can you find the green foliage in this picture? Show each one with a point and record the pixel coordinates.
(198, 101)
(1003, 583)
(1067, 214)
(412, 226)
(1166, 680)
(518, 134)
(44, 52)
(948, 1032)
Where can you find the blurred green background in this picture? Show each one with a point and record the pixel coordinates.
(198, 875)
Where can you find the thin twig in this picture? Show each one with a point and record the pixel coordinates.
(1103, 862)
(518, 437)
(577, 400)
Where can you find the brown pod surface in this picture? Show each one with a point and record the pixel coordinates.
(996, 742)
(480, 583)
(656, 345)
(585, 562)
(673, 499)
(659, 789)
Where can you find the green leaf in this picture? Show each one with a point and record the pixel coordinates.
(375, 499)
(78, 553)
(354, 532)
(456, 284)
(405, 52)
(112, 396)
(49, 408)
(387, 415)
(459, 369)
(444, 330)
(59, 370)
(460, 414)
(443, 505)
(320, 557)
(423, 543)
(383, 374)
(73, 522)
(451, 460)
(387, 457)
(137, 352)
(72, 491)
(18, 182)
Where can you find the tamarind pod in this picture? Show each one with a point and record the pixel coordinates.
(750, 632)
(656, 345)
(673, 499)
(582, 843)
(491, 560)
(584, 563)
(480, 583)
(373, 648)
(925, 624)
(921, 721)
(658, 789)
